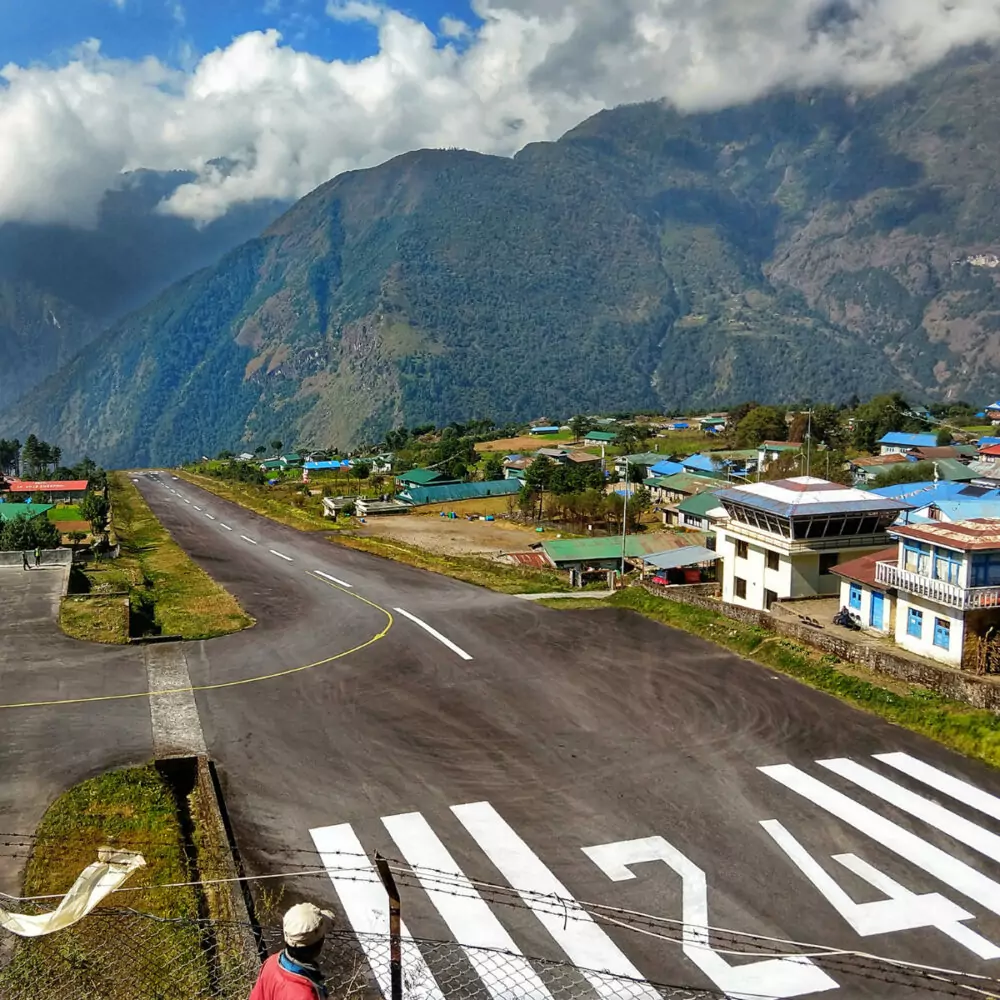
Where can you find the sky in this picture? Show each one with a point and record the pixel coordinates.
(291, 92)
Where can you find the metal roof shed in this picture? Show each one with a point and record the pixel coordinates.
(690, 555)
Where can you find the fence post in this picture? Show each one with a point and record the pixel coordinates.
(395, 942)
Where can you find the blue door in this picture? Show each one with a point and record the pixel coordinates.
(878, 608)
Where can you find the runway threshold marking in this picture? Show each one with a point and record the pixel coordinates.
(434, 632)
(332, 579)
(281, 555)
(224, 684)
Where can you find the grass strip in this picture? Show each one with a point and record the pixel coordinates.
(184, 599)
(278, 504)
(971, 731)
(123, 956)
(95, 619)
(470, 569)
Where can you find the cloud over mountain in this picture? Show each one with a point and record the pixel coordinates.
(284, 120)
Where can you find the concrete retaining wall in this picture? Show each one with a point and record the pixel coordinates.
(980, 692)
(50, 557)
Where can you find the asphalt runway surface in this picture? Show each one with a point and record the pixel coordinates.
(595, 755)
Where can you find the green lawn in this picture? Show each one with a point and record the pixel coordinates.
(65, 512)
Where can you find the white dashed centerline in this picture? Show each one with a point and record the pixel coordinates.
(281, 555)
(186, 500)
(332, 579)
(196, 507)
(222, 524)
(210, 517)
(434, 632)
(250, 540)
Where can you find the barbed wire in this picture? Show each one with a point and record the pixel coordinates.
(724, 941)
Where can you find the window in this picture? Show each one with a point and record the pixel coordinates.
(827, 561)
(740, 587)
(915, 623)
(917, 558)
(947, 565)
(772, 560)
(854, 599)
(769, 598)
(942, 632)
(742, 549)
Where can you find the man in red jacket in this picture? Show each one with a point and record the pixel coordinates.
(293, 974)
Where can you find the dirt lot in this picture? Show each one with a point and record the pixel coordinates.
(429, 530)
(527, 442)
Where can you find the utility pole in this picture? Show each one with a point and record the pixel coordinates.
(625, 517)
(809, 427)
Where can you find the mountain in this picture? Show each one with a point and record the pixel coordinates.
(805, 245)
(60, 285)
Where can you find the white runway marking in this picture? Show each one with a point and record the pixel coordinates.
(196, 507)
(960, 876)
(943, 782)
(332, 579)
(465, 912)
(575, 930)
(281, 555)
(222, 524)
(186, 500)
(364, 901)
(250, 540)
(434, 632)
(210, 517)
(956, 826)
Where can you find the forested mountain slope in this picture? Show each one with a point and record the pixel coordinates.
(808, 245)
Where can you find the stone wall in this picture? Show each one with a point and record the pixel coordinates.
(980, 692)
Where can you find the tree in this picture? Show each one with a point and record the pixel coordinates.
(260, 451)
(904, 472)
(23, 534)
(944, 438)
(276, 445)
(95, 508)
(539, 474)
(639, 502)
(762, 423)
(492, 467)
(579, 425)
(76, 537)
(880, 416)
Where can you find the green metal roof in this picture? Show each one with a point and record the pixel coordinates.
(274, 463)
(684, 482)
(12, 511)
(568, 550)
(453, 492)
(779, 446)
(601, 436)
(699, 504)
(423, 477)
(953, 470)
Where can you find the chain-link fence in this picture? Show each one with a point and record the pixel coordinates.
(125, 955)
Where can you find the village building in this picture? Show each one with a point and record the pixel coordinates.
(782, 540)
(897, 443)
(936, 592)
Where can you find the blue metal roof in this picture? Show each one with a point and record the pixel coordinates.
(909, 440)
(943, 491)
(700, 463)
(959, 510)
(666, 468)
(679, 425)
(544, 430)
(327, 465)
(985, 442)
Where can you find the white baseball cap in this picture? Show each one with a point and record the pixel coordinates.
(305, 924)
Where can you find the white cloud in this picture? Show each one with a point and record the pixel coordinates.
(120, 4)
(453, 27)
(532, 69)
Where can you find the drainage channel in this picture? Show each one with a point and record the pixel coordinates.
(209, 852)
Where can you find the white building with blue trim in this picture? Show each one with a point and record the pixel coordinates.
(936, 592)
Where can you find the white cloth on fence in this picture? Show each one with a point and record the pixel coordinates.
(94, 883)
